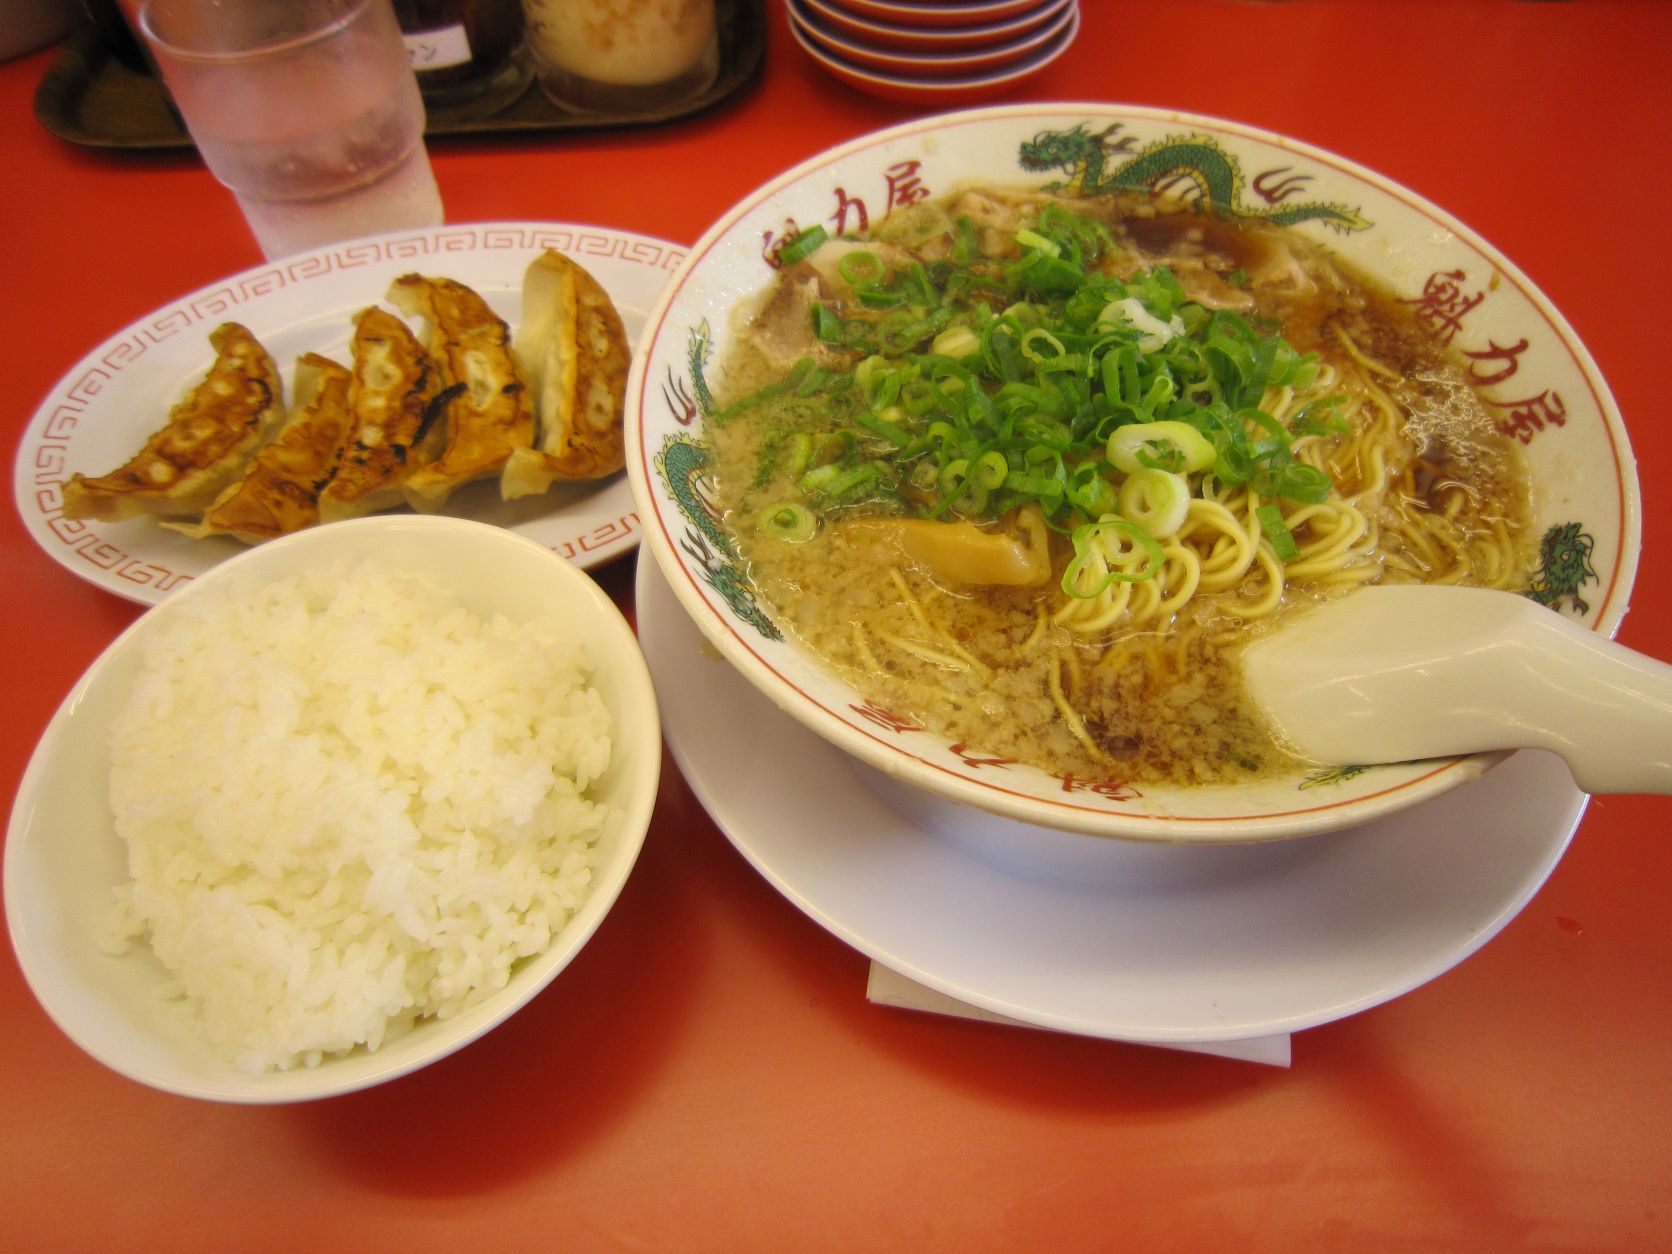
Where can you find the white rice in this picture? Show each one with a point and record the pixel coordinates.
(350, 804)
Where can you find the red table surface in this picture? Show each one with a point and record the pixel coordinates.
(708, 1073)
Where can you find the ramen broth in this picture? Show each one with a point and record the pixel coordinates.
(1422, 488)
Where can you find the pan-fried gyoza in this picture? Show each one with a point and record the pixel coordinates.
(575, 350)
(414, 414)
(280, 491)
(391, 426)
(206, 442)
(486, 412)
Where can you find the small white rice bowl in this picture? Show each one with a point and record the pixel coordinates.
(370, 788)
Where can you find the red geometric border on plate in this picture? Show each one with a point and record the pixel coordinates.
(214, 304)
(600, 537)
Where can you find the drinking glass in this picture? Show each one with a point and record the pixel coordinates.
(308, 110)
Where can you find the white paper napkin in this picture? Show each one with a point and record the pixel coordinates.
(887, 987)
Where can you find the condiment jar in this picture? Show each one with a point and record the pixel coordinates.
(465, 52)
(622, 56)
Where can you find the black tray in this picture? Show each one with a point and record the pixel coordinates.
(89, 97)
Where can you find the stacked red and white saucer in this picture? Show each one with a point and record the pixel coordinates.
(937, 52)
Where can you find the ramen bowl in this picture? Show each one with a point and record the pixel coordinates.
(1535, 382)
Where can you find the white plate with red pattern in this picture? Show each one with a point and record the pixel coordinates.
(104, 408)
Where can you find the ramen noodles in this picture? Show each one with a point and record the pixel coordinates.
(1030, 471)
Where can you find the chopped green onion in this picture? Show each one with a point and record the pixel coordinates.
(1038, 242)
(877, 424)
(956, 342)
(1298, 482)
(924, 476)
(1277, 436)
(916, 397)
(1277, 531)
(880, 298)
(1234, 464)
(832, 446)
(960, 490)
(922, 287)
(985, 384)
(867, 371)
(818, 478)
(799, 453)
(1262, 368)
(1165, 445)
(1319, 418)
(789, 521)
(860, 268)
(1089, 492)
(826, 325)
(815, 380)
(990, 470)
(1157, 500)
(1039, 345)
(1087, 543)
(1048, 276)
(848, 484)
(802, 246)
(788, 383)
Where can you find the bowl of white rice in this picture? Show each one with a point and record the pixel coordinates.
(332, 811)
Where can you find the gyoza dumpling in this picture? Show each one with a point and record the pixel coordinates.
(205, 444)
(392, 427)
(484, 398)
(279, 493)
(574, 349)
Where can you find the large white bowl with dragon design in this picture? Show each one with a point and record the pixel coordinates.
(1542, 388)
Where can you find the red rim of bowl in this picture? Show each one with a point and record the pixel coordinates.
(939, 90)
(882, 35)
(929, 66)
